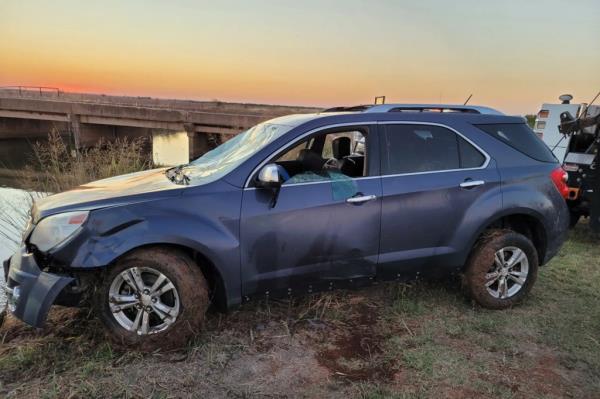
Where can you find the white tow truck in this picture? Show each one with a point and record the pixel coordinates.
(547, 121)
(572, 131)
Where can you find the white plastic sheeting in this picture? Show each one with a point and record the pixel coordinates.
(12, 203)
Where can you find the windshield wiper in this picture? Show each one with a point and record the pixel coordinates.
(177, 175)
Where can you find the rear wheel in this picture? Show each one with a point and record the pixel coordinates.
(501, 269)
(153, 298)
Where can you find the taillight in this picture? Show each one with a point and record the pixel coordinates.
(559, 177)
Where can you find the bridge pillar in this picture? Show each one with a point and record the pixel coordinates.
(198, 143)
(75, 126)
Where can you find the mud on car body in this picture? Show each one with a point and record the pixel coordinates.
(295, 205)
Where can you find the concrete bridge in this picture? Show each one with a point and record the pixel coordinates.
(27, 113)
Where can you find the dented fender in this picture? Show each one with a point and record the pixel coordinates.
(206, 223)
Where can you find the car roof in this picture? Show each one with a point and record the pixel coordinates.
(327, 118)
(454, 108)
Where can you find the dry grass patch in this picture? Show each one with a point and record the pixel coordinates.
(55, 167)
(421, 340)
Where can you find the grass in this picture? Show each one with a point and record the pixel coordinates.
(56, 166)
(421, 340)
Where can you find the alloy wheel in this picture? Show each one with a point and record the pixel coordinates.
(508, 274)
(143, 300)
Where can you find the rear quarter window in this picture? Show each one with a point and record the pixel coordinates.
(520, 137)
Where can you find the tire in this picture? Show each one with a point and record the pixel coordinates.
(173, 317)
(483, 267)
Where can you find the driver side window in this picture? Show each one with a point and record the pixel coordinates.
(334, 155)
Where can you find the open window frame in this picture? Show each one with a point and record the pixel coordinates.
(368, 130)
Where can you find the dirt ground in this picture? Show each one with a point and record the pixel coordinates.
(420, 340)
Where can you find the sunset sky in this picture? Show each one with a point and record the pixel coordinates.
(512, 55)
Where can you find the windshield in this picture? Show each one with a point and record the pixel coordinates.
(229, 155)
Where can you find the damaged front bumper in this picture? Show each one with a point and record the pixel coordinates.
(30, 292)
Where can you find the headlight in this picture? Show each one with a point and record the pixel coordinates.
(55, 229)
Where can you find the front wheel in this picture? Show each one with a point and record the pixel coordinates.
(501, 269)
(153, 299)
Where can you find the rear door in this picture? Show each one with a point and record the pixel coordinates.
(431, 177)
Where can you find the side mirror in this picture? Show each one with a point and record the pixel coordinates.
(269, 177)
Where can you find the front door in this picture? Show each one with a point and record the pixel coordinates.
(324, 225)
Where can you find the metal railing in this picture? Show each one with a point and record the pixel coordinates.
(29, 89)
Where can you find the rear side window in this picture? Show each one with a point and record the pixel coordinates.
(521, 138)
(426, 148)
(470, 157)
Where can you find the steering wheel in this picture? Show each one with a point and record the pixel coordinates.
(331, 163)
(347, 158)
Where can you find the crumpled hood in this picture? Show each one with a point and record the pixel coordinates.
(119, 190)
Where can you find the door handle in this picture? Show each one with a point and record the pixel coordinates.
(360, 199)
(471, 183)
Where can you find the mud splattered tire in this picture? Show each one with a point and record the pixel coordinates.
(501, 269)
(152, 299)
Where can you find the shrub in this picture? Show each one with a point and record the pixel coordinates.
(55, 167)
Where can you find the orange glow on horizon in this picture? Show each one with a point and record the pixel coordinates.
(509, 55)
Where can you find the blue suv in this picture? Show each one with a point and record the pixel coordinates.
(296, 205)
